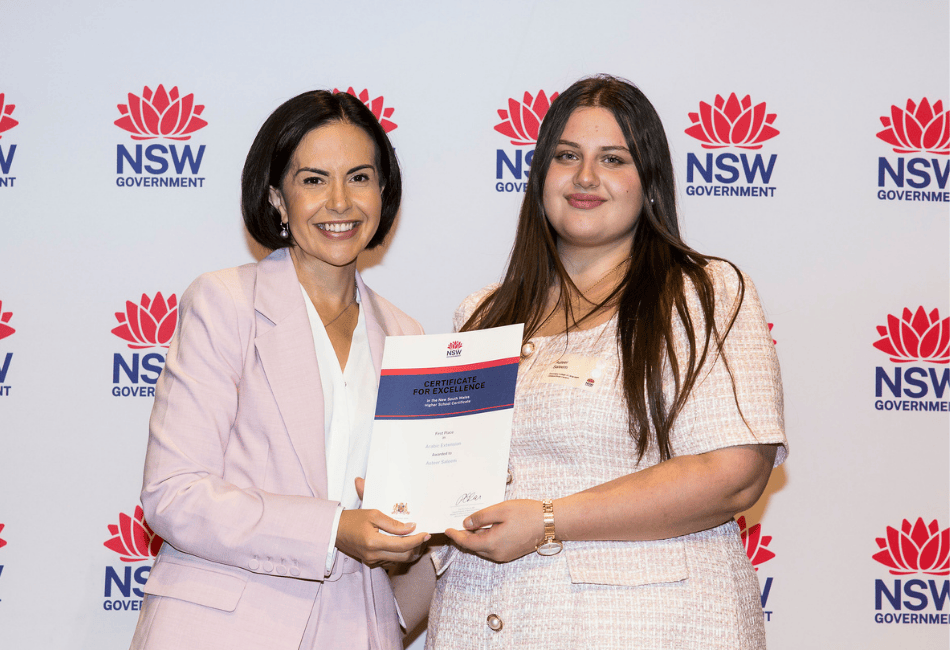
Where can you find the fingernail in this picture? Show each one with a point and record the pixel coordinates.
(427, 537)
(468, 523)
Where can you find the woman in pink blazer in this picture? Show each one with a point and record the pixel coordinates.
(264, 408)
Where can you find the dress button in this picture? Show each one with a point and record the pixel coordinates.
(268, 566)
(527, 350)
(495, 623)
(281, 570)
(294, 571)
(254, 565)
(510, 478)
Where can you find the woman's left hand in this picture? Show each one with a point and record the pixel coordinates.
(516, 528)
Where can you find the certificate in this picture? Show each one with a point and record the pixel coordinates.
(440, 442)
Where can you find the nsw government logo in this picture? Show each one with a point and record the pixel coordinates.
(6, 358)
(145, 325)
(914, 549)
(160, 115)
(916, 337)
(454, 349)
(520, 123)
(731, 124)
(756, 547)
(133, 541)
(922, 133)
(6, 153)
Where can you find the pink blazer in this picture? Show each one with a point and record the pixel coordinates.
(235, 472)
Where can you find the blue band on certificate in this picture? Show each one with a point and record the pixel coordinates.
(446, 392)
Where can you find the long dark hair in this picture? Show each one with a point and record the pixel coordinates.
(653, 289)
(273, 149)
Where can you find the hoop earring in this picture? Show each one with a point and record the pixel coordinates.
(284, 233)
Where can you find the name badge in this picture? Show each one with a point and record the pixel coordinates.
(576, 371)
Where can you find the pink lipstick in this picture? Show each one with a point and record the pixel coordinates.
(584, 201)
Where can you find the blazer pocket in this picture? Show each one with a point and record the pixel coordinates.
(202, 586)
(627, 564)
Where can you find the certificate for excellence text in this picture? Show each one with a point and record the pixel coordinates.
(443, 426)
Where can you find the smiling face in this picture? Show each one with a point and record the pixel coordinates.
(592, 192)
(330, 197)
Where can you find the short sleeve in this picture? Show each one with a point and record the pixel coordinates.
(468, 306)
(715, 415)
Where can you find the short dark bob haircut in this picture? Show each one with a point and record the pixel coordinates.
(273, 149)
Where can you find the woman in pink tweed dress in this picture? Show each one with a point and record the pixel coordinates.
(648, 411)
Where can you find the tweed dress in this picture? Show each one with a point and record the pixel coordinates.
(698, 591)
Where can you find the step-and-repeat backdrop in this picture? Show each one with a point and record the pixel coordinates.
(810, 141)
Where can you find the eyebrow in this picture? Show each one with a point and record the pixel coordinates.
(321, 172)
(608, 148)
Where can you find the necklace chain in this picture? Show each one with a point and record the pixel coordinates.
(604, 277)
(337, 317)
(586, 291)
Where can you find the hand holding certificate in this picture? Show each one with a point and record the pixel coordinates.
(443, 426)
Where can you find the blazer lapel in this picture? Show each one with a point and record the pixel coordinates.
(374, 326)
(285, 347)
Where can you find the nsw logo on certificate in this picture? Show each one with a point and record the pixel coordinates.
(443, 426)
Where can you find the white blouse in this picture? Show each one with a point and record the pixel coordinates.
(349, 406)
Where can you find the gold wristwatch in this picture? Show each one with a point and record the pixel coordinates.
(550, 545)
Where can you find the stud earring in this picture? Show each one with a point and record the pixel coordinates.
(284, 233)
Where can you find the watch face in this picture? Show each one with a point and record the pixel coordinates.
(550, 548)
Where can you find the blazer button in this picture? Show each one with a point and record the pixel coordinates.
(294, 571)
(268, 566)
(254, 565)
(495, 623)
(510, 478)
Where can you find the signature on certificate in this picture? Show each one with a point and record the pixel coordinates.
(468, 497)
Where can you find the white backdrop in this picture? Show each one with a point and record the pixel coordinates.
(835, 265)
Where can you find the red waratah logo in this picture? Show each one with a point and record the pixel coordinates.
(917, 128)
(5, 330)
(755, 543)
(6, 122)
(2, 542)
(149, 324)
(522, 120)
(916, 336)
(455, 345)
(161, 115)
(382, 114)
(132, 539)
(917, 548)
(732, 123)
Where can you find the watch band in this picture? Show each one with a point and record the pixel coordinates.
(550, 545)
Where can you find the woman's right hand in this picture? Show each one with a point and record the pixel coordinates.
(359, 535)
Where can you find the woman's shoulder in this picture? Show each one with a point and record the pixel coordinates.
(470, 304)
(725, 275)
(734, 296)
(731, 285)
(233, 285)
(272, 278)
(394, 320)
